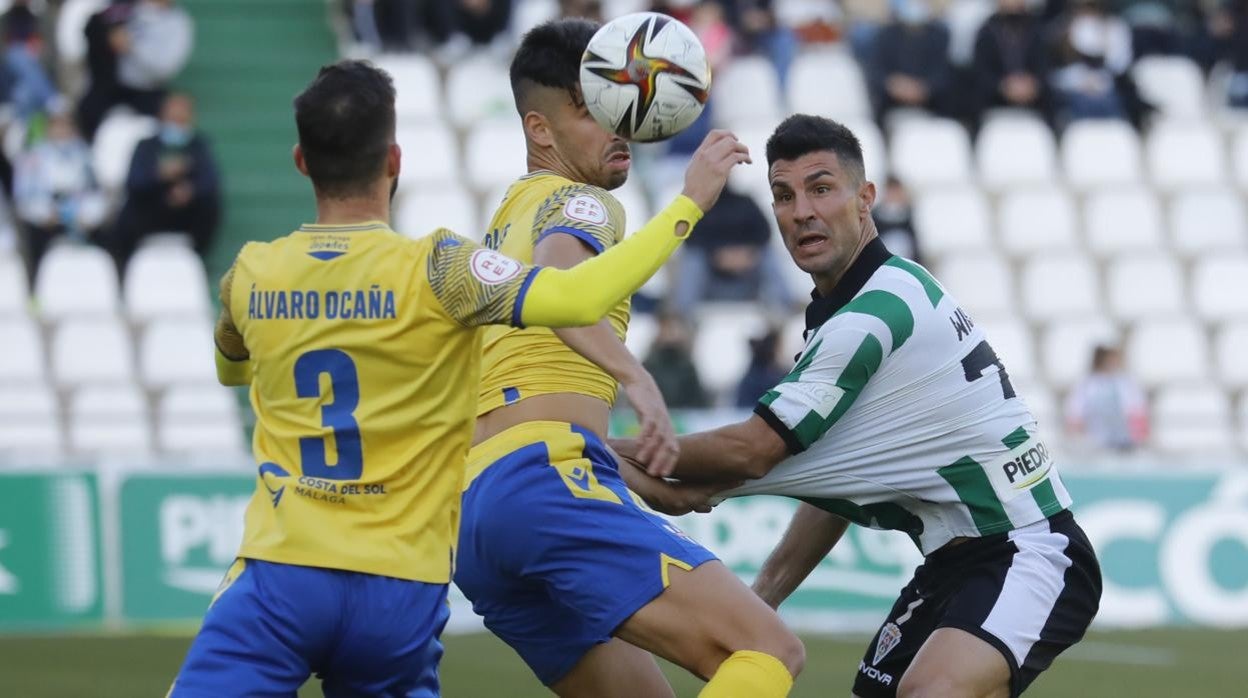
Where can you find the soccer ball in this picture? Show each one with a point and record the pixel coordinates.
(645, 77)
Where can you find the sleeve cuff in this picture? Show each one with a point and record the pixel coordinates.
(232, 371)
(592, 242)
(517, 311)
(790, 439)
(682, 208)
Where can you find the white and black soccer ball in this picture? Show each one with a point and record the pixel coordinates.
(645, 76)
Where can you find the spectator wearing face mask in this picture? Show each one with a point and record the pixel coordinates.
(911, 67)
(173, 185)
(1093, 80)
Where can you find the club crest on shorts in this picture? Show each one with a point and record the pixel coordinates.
(890, 637)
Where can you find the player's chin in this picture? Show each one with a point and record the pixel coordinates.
(615, 175)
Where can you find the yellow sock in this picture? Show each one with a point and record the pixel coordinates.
(749, 674)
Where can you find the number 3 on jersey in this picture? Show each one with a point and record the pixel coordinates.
(337, 415)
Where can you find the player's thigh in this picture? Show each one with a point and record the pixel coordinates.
(614, 669)
(703, 616)
(954, 663)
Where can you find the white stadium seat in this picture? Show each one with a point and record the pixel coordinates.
(1208, 219)
(751, 177)
(1122, 220)
(642, 328)
(418, 213)
(1170, 351)
(23, 352)
(1011, 340)
(810, 77)
(13, 289)
(953, 221)
(1220, 288)
(430, 155)
(71, 21)
(1241, 157)
(199, 418)
(1035, 220)
(166, 281)
(982, 282)
(1174, 84)
(92, 352)
(1061, 286)
(746, 92)
(1100, 152)
(927, 152)
(1067, 347)
(1192, 419)
(874, 151)
(1185, 155)
(76, 281)
(964, 18)
(417, 88)
(1040, 401)
(1231, 348)
(632, 198)
(495, 154)
(1142, 286)
(30, 421)
(174, 351)
(721, 348)
(114, 146)
(1013, 151)
(478, 89)
(527, 14)
(113, 420)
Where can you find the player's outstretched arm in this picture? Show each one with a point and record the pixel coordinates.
(743, 451)
(810, 537)
(233, 359)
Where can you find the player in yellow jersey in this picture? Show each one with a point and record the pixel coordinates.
(554, 551)
(362, 353)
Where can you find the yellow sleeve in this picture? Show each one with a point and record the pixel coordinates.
(233, 359)
(588, 213)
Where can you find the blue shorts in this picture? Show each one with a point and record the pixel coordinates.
(273, 625)
(554, 551)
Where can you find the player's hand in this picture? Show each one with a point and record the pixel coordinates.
(708, 169)
(666, 497)
(656, 444)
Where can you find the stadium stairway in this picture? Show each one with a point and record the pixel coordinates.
(250, 60)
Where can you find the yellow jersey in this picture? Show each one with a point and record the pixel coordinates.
(518, 363)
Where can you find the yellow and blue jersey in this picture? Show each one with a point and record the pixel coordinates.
(523, 362)
(362, 347)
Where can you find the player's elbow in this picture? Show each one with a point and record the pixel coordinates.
(751, 462)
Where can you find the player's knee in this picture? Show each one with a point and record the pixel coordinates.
(791, 652)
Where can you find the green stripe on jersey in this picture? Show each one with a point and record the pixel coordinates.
(968, 479)
(889, 308)
(769, 398)
(930, 287)
(1016, 438)
(1046, 498)
(861, 366)
(796, 374)
(886, 515)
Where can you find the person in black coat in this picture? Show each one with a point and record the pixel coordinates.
(1011, 60)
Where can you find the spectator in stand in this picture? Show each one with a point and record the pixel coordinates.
(765, 370)
(758, 31)
(1093, 80)
(589, 9)
(1011, 61)
(671, 364)
(894, 219)
(911, 67)
(1230, 28)
(55, 193)
(1167, 27)
(146, 46)
(30, 90)
(1108, 408)
(173, 185)
(731, 260)
(458, 25)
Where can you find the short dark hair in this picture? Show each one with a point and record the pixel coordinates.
(550, 56)
(345, 119)
(801, 134)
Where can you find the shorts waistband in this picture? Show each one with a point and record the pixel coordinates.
(973, 547)
(513, 438)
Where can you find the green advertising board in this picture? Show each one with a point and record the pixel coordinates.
(50, 573)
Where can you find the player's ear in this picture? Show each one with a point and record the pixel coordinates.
(300, 163)
(866, 199)
(394, 160)
(537, 129)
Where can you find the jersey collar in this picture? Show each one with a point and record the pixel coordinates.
(821, 308)
(350, 228)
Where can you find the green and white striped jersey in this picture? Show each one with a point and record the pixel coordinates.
(899, 415)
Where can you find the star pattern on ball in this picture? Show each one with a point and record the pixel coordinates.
(643, 71)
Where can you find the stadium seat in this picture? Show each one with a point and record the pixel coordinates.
(1241, 158)
(1067, 347)
(632, 197)
(93, 352)
(1185, 155)
(1144, 285)
(23, 352)
(112, 420)
(1231, 350)
(982, 282)
(177, 351)
(199, 418)
(721, 348)
(166, 281)
(1011, 340)
(750, 177)
(1122, 220)
(1040, 400)
(1174, 84)
(478, 89)
(29, 421)
(953, 221)
(430, 155)
(418, 213)
(114, 146)
(874, 151)
(1220, 288)
(1060, 286)
(71, 21)
(495, 154)
(1167, 351)
(1192, 419)
(746, 93)
(1015, 151)
(812, 73)
(964, 18)
(1098, 153)
(76, 280)
(526, 14)
(642, 328)
(927, 152)
(1036, 220)
(13, 289)
(1208, 219)
(417, 88)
